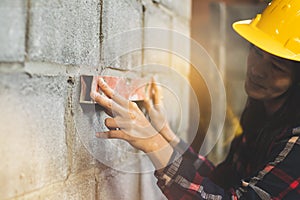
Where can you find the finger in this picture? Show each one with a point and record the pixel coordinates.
(149, 91)
(94, 85)
(148, 104)
(113, 123)
(108, 91)
(112, 134)
(111, 106)
(157, 92)
(110, 123)
(109, 113)
(102, 100)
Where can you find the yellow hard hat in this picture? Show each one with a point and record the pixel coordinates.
(276, 30)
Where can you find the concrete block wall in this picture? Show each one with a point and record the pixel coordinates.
(45, 47)
(13, 27)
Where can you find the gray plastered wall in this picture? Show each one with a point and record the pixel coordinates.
(45, 47)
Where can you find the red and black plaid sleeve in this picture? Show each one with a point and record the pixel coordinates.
(188, 177)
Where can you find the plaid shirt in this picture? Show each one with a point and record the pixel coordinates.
(192, 176)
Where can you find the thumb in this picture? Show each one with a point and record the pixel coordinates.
(148, 104)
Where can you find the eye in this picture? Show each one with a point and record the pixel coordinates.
(277, 68)
(257, 51)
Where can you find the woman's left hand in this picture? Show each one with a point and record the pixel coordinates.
(156, 112)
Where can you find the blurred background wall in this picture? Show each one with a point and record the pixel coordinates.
(211, 26)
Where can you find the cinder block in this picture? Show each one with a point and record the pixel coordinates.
(122, 34)
(176, 90)
(80, 158)
(32, 146)
(157, 17)
(12, 31)
(149, 188)
(181, 46)
(65, 32)
(179, 7)
(77, 187)
(230, 50)
(169, 43)
(181, 63)
(157, 36)
(118, 185)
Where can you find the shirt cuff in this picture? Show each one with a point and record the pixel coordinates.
(181, 147)
(166, 176)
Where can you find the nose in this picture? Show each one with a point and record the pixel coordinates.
(258, 63)
(258, 69)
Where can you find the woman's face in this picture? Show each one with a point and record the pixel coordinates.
(268, 76)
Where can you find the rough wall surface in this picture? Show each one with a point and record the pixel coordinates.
(45, 47)
(65, 32)
(13, 27)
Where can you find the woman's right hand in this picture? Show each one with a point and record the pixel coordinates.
(129, 123)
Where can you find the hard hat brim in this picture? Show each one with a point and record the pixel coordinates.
(263, 40)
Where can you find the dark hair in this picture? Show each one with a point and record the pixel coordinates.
(297, 72)
(262, 130)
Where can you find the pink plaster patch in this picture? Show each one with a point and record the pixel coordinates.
(131, 89)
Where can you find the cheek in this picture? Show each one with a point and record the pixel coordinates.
(251, 60)
(281, 85)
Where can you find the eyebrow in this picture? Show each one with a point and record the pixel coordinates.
(281, 60)
(278, 60)
(282, 63)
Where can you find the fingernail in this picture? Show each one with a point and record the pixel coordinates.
(101, 80)
(101, 135)
(94, 94)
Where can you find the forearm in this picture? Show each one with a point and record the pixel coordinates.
(181, 180)
(159, 151)
(170, 136)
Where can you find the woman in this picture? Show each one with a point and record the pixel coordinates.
(263, 162)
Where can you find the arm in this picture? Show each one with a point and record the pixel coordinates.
(156, 112)
(278, 179)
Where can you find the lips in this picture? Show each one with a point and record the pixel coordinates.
(255, 84)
